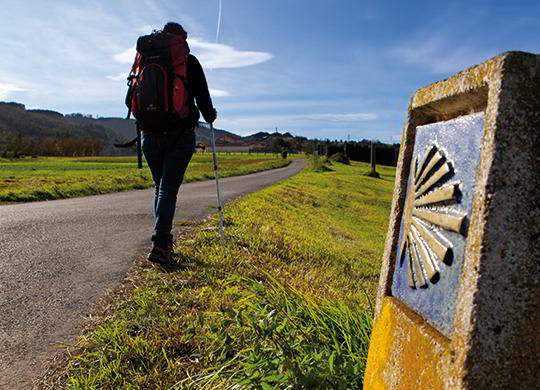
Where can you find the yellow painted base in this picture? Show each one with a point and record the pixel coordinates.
(405, 352)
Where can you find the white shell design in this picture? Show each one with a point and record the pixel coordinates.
(426, 211)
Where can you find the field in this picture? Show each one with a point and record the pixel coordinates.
(283, 302)
(45, 178)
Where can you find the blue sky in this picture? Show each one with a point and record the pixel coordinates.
(316, 68)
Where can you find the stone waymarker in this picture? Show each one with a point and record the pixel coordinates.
(458, 305)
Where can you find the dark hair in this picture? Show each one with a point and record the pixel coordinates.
(175, 28)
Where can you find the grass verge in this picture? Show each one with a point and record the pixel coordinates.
(48, 178)
(284, 302)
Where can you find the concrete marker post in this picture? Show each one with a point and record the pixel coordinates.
(458, 304)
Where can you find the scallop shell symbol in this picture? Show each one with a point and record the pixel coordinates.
(428, 190)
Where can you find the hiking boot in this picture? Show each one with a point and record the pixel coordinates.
(160, 256)
(170, 243)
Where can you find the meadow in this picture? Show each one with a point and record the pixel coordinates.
(283, 302)
(46, 178)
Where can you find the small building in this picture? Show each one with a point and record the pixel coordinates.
(231, 148)
(230, 139)
(258, 145)
(234, 144)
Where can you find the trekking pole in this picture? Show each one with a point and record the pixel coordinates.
(216, 174)
(214, 160)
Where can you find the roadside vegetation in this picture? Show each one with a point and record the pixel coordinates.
(283, 302)
(46, 178)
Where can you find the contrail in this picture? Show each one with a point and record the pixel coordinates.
(218, 21)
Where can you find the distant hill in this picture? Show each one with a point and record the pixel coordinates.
(122, 127)
(204, 134)
(126, 128)
(258, 137)
(47, 132)
(16, 120)
(53, 114)
(263, 136)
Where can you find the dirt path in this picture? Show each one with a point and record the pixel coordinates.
(59, 258)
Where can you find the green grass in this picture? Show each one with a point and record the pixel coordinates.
(284, 302)
(48, 178)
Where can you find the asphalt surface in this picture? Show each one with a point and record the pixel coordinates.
(59, 258)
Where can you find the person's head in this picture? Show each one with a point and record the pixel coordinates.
(175, 28)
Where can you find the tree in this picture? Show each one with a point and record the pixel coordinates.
(280, 145)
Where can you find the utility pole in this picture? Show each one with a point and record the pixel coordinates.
(327, 148)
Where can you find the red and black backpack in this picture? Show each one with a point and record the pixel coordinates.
(158, 95)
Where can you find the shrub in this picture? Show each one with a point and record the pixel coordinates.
(341, 158)
(318, 165)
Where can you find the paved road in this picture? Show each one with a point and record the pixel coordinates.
(58, 258)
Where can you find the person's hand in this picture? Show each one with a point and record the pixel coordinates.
(212, 116)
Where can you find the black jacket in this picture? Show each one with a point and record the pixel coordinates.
(199, 96)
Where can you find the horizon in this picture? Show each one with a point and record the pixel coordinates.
(201, 123)
(338, 71)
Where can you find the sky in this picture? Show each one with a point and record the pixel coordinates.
(325, 69)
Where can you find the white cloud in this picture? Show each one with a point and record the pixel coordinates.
(118, 77)
(146, 29)
(219, 93)
(211, 55)
(125, 57)
(354, 117)
(279, 104)
(218, 55)
(6, 89)
(246, 123)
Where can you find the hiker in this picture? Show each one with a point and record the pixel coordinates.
(168, 142)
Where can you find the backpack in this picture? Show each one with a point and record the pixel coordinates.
(157, 94)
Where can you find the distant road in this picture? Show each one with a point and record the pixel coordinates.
(58, 258)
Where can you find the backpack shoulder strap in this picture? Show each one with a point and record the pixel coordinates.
(179, 50)
(135, 68)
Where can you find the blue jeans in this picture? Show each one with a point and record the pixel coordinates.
(168, 155)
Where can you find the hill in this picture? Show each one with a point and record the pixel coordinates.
(204, 134)
(263, 136)
(14, 118)
(126, 128)
(30, 127)
(122, 127)
(47, 132)
(37, 126)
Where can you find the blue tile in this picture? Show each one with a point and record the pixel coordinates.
(460, 141)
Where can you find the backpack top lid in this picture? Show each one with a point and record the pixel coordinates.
(159, 43)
